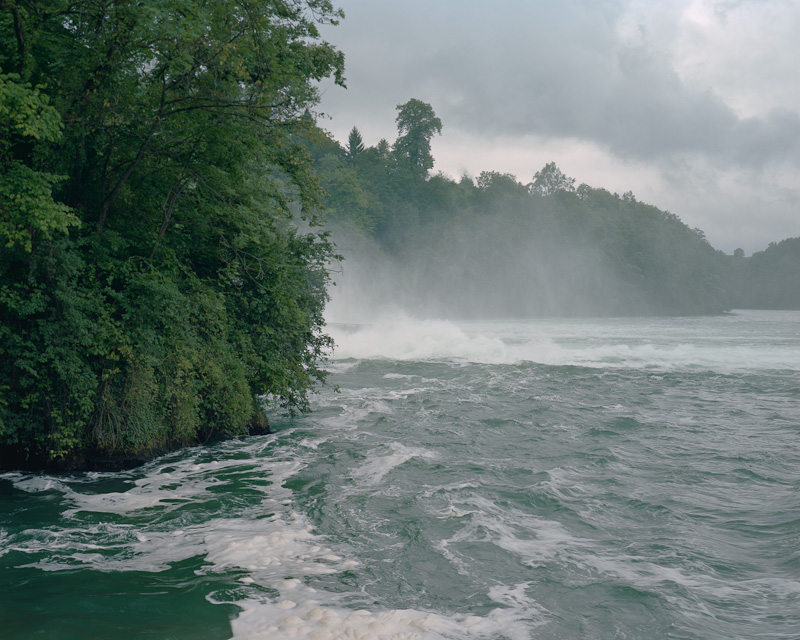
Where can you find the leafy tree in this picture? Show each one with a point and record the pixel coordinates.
(27, 207)
(154, 287)
(416, 125)
(496, 186)
(550, 180)
(494, 179)
(499, 192)
(384, 149)
(347, 202)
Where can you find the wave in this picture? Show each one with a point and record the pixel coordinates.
(263, 552)
(636, 344)
(377, 466)
(405, 338)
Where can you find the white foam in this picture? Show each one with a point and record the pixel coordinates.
(309, 619)
(278, 553)
(354, 406)
(187, 482)
(273, 555)
(405, 338)
(543, 539)
(374, 470)
(660, 344)
(658, 357)
(162, 489)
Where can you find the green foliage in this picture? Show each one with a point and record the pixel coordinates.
(416, 125)
(184, 298)
(549, 180)
(348, 202)
(497, 247)
(27, 207)
(355, 144)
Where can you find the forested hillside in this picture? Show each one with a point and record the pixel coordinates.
(768, 279)
(491, 245)
(154, 288)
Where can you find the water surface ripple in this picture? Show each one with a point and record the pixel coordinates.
(632, 478)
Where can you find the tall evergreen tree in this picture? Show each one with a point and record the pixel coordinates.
(355, 145)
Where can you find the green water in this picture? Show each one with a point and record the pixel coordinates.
(541, 479)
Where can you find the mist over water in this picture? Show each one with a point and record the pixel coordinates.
(593, 343)
(473, 478)
(385, 307)
(486, 270)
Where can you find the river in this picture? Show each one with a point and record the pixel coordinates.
(581, 478)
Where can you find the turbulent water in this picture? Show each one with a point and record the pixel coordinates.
(633, 478)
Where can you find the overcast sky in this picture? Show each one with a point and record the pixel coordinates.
(694, 105)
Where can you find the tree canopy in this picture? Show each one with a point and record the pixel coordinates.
(27, 207)
(416, 125)
(154, 284)
(549, 180)
(355, 144)
(769, 279)
(494, 246)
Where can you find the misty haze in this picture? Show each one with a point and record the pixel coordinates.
(493, 247)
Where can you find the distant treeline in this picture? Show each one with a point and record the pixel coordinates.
(769, 279)
(492, 245)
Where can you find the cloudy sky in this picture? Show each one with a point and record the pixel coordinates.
(694, 105)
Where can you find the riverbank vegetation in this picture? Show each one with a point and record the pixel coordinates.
(155, 288)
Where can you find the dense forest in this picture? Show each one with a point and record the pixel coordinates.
(493, 246)
(164, 274)
(155, 287)
(768, 279)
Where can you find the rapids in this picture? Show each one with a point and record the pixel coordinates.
(593, 478)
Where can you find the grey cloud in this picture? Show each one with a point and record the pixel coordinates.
(551, 69)
(582, 73)
(622, 98)
(773, 137)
